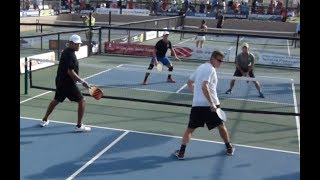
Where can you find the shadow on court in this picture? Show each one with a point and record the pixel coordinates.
(56, 152)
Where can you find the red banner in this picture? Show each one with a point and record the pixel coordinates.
(184, 52)
(129, 49)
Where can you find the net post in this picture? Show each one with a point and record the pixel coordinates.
(237, 47)
(109, 26)
(100, 40)
(30, 73)
(90, 35)
(41, 43)
(58, 45)
(25, 75)
(37, 26)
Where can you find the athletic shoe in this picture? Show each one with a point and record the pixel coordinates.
(144, 82)
(228, 91)
(82, 128)
(44, 123)
(261, 95)
(230, 151)
(170, 80)
(179, 155)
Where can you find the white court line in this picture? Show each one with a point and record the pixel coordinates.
(223, 73)
(259, 101)
(165, 135)
(97, 156)
(182, 88)
(35, 97)
(47, 92)
(296, 111)
(288, 47)
(183, 41)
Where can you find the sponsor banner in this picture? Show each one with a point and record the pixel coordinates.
(138, 12)
(151, 35)
(199, 53)
(167, 13)
(128, 49)
(36, 64)
(235, 16)
(29, 13)
(107, 10)
(183, 52)
(47, 12)
(86, 11)
(265, 17)
(202, 15)
(276, 59)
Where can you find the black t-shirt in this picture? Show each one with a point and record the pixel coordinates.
(162, 48)
(220, 20)
(67, 61)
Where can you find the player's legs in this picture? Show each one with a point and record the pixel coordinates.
(50, 108)
(58, 97)
(165, 61)
(257, 84)
(73, 93)
(81, 108)
(197, 43)
(195, 120)
(225, 137)
(151, 65)
(201, 44)
(202, 38)
(187, 136)
(212, 121)
(224, 133)
(236, 73)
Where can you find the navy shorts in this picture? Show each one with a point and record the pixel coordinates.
(201, 115)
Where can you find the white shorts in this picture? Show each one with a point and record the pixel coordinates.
(201, 38)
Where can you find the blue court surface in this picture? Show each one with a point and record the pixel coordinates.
(131, 76)
(57, 152)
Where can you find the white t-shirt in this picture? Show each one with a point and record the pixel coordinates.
(205, 72)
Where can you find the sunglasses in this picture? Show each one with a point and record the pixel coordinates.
(220, 60)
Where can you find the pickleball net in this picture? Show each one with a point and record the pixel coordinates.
(125, 82)
(253, 37)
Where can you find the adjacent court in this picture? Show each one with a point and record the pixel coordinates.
(57, 152)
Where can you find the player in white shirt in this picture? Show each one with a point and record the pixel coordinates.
(203, 83)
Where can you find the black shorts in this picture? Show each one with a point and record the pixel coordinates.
(70, 91)
(201, 115)
(238, 73)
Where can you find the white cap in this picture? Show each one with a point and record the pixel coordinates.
(166, 33)
(75, 39)
(245, 45)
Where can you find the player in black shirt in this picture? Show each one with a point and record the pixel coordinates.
(159, 54)
(66, 79)
(220, 18)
